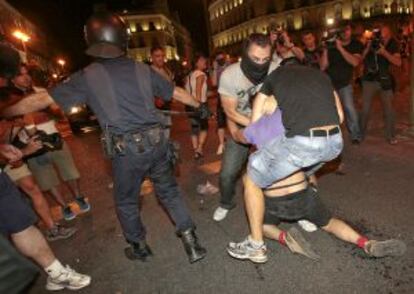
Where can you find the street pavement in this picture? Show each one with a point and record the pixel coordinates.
(375, 196)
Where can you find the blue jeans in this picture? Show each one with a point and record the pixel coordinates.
(346, 94)
(284, 156)
(369, 89)
(129, 171)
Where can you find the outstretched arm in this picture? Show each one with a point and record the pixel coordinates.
(184, 97)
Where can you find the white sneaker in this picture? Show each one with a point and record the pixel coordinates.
(68, 279)
(220, 213)
(307, 226)
(245, 250)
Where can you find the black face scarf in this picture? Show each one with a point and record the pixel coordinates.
(256, 73)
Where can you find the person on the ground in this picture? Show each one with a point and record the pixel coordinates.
(121, 93)
(17, 222)
(293, 199)
(380, 53)
(43, 164)
(158, 64)
(339, 59)
(311, 114)
(238, 85)
(196, 85)
(220, 63)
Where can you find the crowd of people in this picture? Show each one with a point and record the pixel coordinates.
(282, 105)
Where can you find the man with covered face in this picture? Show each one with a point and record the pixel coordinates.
(239, 83)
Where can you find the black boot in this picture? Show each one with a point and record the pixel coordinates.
(194, 250)
(138, 251)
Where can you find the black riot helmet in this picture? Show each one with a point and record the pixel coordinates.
(106, 35)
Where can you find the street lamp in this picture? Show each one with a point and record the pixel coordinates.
(330, 21)
(61, 62)
(22, 37)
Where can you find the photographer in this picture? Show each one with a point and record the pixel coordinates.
(285, 48)
(312, 52)
(340, 56)
(42, 164)
(381, 51)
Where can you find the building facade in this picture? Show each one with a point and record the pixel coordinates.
(157, 29)
(233, 20)
(37, 48)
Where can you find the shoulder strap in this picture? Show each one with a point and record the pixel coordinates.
(100, 83)
(143, 78)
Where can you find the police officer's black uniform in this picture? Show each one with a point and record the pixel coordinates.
(120, 92)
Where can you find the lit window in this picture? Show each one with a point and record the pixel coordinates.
(236, 3)
(221, 11)
(240, 2)
(226, 8)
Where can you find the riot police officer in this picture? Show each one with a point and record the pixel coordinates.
(120, 92)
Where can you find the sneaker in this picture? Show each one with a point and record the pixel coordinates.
(83, 204)
(59, 232)
(298, 244)
(220, 214)
(390, 247)
(245, 250)
(68, 279)
(220, 149)
(307, 226)
(68, 214)
(393, 141)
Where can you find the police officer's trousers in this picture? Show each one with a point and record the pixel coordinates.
(129, 171)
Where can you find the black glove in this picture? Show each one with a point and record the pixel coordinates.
(204, 112)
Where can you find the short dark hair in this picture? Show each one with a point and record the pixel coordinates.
(258, 39)
(307, 33)
(156, 48)
(197, 56)
(346, 23)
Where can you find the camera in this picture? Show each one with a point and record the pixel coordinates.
(51, 142)
(278, 31)
(330, 36)
(376, 39)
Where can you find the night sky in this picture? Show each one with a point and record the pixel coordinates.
(63, 21)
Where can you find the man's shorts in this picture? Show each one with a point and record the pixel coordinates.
(44, 172)
(283, 156)
(304, 204)
(17, 173)
(15, 213)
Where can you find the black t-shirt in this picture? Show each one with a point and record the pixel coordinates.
(339, 70)
(381, 64)
(305, 97)
(312, 57)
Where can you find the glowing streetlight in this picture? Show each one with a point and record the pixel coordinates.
(330, 21)
(21, 36)
(61, 62)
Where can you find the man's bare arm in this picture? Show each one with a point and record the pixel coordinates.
(184, 97)
(236, 132)
(339, 108)
(230, 108)
(32, 103)
(259, 106)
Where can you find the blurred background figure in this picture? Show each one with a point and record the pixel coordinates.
(196, 85)
(158, 64)
(219, 65)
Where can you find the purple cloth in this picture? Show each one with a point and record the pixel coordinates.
(265, 129)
